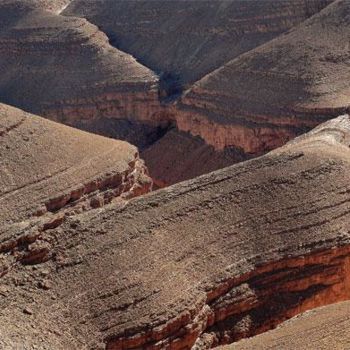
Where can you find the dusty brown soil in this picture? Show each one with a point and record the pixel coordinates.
(207, 261)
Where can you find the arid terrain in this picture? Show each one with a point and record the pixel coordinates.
(320, 329)
(174, 174)
(214, 259)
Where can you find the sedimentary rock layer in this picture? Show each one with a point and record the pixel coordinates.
(184, 40)
(272, 93)
(66, 70)
(200, 263)
(46, 166)
(320, 329)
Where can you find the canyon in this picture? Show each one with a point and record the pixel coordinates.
(174, 174)
(136, 99)
(218, 248)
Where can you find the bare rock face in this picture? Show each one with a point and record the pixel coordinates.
(46, 167)
(185, 40)
(276, 91)
(198, 264)
(323, 328)
(66, 70)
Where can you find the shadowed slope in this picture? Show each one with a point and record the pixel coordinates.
(321, 329)
(184, 40)
(207, 261)
(270, 94)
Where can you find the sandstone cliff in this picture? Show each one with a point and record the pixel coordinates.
(202, 263)
(276, 91)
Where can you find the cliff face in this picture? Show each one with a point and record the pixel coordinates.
(276, 91)
(185, 40)
(201, 263)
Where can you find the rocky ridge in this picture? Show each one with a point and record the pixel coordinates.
(185, 40)
(46, 166)
(53, 73)
(195, 264)
(269, 95)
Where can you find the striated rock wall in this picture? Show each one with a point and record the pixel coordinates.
(255, 302)
(47, 167)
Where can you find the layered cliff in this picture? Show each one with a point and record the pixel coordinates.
(198, 264)
(322, 329)
(48, 168)
(66, 70)
(276, 91)
(185, 40)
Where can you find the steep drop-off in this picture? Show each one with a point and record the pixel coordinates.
(201, 263)
(276, 91)
(184, 40)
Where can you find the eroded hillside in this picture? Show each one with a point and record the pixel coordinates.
(185, 40)
(67, 69)
(46, 167)
(196, 264)
(269, 95)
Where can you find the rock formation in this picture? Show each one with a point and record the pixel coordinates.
(320, 329)
(66, 70)
(47, 167)
(198, 264)
(276, 91)
(185, 40)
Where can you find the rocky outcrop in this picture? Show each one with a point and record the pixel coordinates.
(276, 91)
(47, 167)
(183, 41)
(322, 328)
(198, 264)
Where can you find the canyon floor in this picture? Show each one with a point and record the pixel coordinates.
(174, 174)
